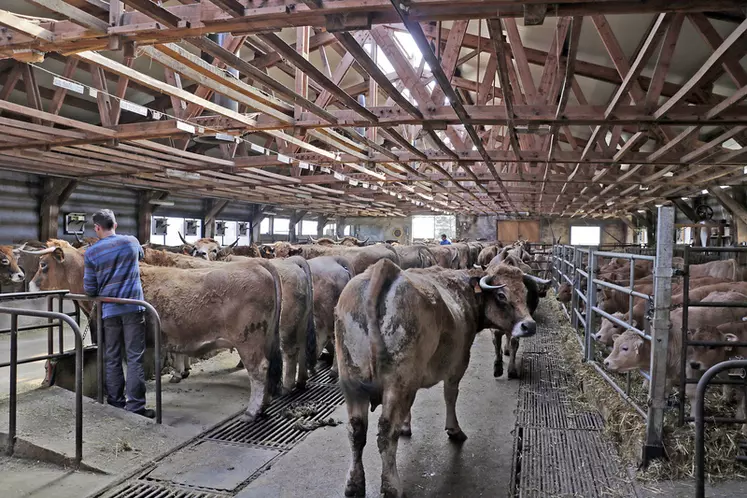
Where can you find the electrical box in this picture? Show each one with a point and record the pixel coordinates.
(160, 225)
(242, 228)
(220, 228)
(75, 223)
(190, 227)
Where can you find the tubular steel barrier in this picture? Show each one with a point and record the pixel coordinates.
(572, 264)
(52, 315)
(686, 342)
(155, 323)
(699, 401)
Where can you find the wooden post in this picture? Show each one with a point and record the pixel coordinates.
(213, 209)
(321, 222)
(55, 191)
(255, 222)
(296, 217)
(145, 213)
(340, 226)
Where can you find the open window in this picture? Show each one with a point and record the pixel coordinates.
(585, 236)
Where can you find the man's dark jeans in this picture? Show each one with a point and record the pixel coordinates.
(129, 328)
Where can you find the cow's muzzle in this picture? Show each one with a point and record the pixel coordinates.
(525, 328)
(17, 277)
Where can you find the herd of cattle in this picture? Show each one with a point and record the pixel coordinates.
(400, 318)
(722, 281)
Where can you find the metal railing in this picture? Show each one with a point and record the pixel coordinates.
(155, 323)
(14, 362)
(699, 401)
(571, 264)
(686, 342)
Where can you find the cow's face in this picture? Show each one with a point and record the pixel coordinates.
(267, 252)
(9, 269)
(630, 352)
(565, 292)
(206, 249)
(506, 304)
(59, 268)
(701, 358)
(609, 329)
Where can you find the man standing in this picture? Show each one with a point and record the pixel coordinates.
(445, 240)
(113, 270)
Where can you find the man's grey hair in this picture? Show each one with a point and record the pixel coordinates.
(105, 219)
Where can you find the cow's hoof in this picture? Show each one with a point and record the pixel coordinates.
(284, 390)
(513, 374)
(248, 417)
(185, 374)
(301, 385)
(334, 374)
(175, 380)
(497, 369)
(456, 436)
(405, 432)
(355, 488)
(388, 491)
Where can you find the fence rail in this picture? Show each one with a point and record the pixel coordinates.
(12, 405)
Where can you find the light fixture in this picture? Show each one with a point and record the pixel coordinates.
(159, 202)
(704, 191)
(658, 205)
(725, 186)
(641, 210)
(668, 174)
(685, 198)
(609, 203)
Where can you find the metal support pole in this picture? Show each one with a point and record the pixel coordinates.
(657, 402)
(574, 295)
(683, 332)
(10, 447)
(591, 301)
(50, 333)
(100, 379)
(61, 330)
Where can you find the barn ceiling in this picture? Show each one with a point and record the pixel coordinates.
(379, 107)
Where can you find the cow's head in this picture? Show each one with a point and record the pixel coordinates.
(206, 249)
(286, 250)
(505, 301)
(60, 267)
(630, 352)
(565, 292)
(701, 358)
(353, 242)
(9, 269)
(608, 329)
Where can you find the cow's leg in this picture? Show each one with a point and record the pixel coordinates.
(357, 430)
(396, 405)
(186, 366)
(505, 344)
(498, 363)
(259, 394)
(513, 347)
(290, 364)
(742, 406)
(406, 425)
(451, 393)
(303, 371)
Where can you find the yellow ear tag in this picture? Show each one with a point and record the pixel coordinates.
(478, 289)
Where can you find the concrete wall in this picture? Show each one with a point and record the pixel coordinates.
(379, 229)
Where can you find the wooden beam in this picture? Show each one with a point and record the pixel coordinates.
(73, 13)
(686, 209)
(736, 209)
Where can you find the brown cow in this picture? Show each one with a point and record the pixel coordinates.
(207, 248)
(445, 256)
(415, 256)
(229, 305)
(10, 272)
(398, 331)
(487, 254)
(330, 276)
(360, 258)
(353, 242)
(728, 269)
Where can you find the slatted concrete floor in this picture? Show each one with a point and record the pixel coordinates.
(560, 448)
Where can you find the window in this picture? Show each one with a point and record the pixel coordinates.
(585, 236)
(230, 234)
(329, 229)
(175, 226)
(281, 226)
(431, 227)
(308, 227)
(264, 227)
(346, 231)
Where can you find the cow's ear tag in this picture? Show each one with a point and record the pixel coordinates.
(478, 289)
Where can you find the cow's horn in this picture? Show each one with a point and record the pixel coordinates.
(77, 237)
(183, 241)
(540, 281)
(477, 267)
(235, 243)
(312, 239)
(365, 241)
(41, 252)
(484, 285)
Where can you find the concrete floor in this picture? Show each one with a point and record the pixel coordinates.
(429, 465)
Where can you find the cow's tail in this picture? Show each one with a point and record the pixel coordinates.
(395, 257)
(383, 274)
(311, 346)
(427, 258)
(454, 258)
(275, 370)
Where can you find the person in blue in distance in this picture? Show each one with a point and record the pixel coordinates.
(445, 240)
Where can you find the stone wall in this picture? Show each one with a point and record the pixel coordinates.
(380, 229)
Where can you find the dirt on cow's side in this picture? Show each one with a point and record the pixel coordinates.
(626, 428)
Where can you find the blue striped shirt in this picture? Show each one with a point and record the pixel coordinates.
(113, 270)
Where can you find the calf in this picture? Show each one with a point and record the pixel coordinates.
(10, 272)
(398, 331)
(701, 358)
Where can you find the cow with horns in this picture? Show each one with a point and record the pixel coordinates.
(397, 331)
(207, 248)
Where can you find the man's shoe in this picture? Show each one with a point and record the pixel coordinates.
(146, 412)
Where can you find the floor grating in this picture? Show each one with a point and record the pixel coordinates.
(559, 449)
(225, 459)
